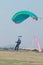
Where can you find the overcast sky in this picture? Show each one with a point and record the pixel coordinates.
(9, 31)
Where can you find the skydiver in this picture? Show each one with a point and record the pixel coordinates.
(18, 43)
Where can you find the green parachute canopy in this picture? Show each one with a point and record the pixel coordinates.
(23, 15)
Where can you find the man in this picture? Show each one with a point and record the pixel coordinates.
(18, 43)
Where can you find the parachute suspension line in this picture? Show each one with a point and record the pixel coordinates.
(40, 18)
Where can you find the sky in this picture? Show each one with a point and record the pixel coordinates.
(9, 31)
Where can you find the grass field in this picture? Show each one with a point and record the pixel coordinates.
(21, 58)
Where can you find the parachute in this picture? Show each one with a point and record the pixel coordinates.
(22, 16)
